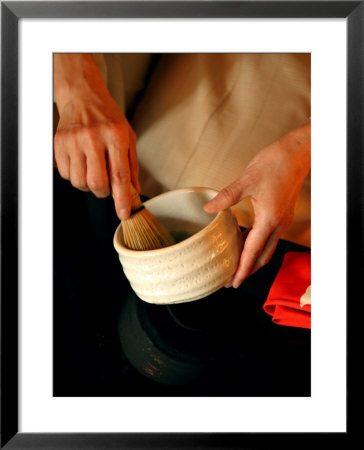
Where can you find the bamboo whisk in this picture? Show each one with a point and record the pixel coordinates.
(142, 231)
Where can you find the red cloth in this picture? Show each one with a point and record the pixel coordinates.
(284, 299)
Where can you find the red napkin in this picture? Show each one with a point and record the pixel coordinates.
(289, 298)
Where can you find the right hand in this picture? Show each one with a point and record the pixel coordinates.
(94, 144)
(272, 181)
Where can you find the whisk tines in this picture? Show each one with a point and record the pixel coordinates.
(143, 231)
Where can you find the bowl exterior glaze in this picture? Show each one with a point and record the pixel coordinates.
(188, 270)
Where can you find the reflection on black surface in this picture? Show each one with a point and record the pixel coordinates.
(158, 347)
(108, 342)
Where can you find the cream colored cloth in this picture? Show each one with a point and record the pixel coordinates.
(126, 76)
(203, 117)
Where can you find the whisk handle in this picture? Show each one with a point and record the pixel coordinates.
(136, 203)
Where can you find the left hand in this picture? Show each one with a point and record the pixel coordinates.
(272, 181)
(94, 144)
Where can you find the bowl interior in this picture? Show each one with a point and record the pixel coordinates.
(181, 211)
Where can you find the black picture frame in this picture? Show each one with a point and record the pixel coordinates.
(11, 13)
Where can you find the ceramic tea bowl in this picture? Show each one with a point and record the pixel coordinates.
(200, 264)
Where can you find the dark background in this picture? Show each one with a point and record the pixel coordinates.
(240, 350)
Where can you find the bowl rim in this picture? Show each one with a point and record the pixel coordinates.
(127, 251)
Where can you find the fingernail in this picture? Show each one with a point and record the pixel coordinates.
(236, 284)
(124, 213)
(210, 207)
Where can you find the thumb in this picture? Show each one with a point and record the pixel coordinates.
(228, 196)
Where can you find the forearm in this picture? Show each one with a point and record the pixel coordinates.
(297, 143)
(76, 75)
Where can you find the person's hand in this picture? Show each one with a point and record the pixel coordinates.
(272, 181)
(94, 145)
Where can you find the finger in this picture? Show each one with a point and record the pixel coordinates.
(62, 160)
(133, 161)
(97, 176)
(267, 252)
(244, 236)
(228, 196)
(119, 174)
(63, 164)
(253, 247)
(78, 171)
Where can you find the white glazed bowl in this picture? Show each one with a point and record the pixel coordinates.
(193, 268)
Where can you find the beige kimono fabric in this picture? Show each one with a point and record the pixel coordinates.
(203, 117)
